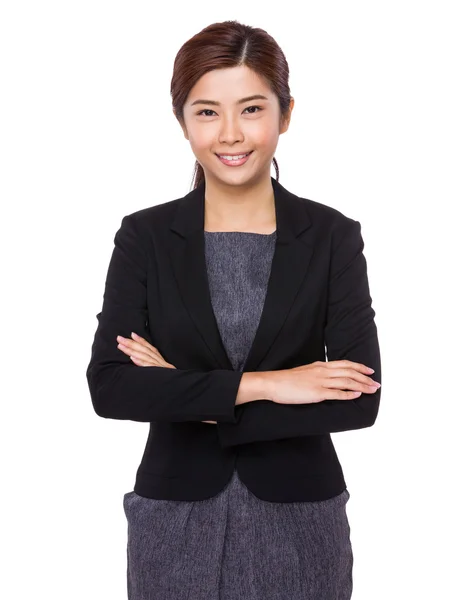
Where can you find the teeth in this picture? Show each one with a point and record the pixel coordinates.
(233, 157)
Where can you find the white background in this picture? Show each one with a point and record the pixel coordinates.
(379, 131)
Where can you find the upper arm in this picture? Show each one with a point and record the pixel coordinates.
(350, 329)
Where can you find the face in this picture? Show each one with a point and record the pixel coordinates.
(219, 121)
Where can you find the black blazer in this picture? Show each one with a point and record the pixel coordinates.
(317, 298)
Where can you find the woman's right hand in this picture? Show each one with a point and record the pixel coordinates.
(318, 381)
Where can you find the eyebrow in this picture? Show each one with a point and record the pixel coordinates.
(247, 99)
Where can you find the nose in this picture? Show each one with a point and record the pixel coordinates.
(230, 131)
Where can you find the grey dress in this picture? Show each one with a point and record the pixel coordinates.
(235, 546)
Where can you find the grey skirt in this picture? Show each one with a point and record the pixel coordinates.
(235, 546)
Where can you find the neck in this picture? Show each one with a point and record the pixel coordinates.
(240, 208)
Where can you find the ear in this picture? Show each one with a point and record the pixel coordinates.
(181, 123)
(286, 120)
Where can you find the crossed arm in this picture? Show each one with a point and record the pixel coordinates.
(120, 391)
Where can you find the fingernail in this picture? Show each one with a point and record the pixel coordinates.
(133, 334)
(371, 370)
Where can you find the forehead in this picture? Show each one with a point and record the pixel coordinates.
(228, 85)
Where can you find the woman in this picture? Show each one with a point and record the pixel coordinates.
(281, 531)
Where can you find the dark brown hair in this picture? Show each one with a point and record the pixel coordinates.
(224, 45)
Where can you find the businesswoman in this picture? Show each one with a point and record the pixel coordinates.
(218, 310)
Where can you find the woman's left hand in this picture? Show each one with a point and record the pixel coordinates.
(143, 354)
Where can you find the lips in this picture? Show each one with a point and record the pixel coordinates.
(234, 162)
(243, 154)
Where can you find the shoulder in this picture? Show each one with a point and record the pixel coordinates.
(141, 229)
(154, 216)
(325, 213)
(329, 221)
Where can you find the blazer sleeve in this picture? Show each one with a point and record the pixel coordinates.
(122, 390)
(350, 333)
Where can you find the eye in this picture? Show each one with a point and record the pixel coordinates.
(205, 110)
(259, 107)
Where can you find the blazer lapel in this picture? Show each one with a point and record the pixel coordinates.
(290, 262)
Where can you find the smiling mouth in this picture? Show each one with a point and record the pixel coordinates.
(241, 154)
(235, 160)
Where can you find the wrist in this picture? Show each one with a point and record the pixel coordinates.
(268, 384)
(254, 386)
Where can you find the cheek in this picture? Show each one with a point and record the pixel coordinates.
(265, 134)
(201, 139)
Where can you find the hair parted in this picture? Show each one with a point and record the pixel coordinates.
(223, 45)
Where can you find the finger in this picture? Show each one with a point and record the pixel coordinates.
(135, 347)
(147, 348)
(339, 395)
(348, 383)
(145, 343)
(352, 374)
(138, 362)
(143, 346)
(141, 356)
(341, 364)
(141, 340)
(144, 358)
(142, 363)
